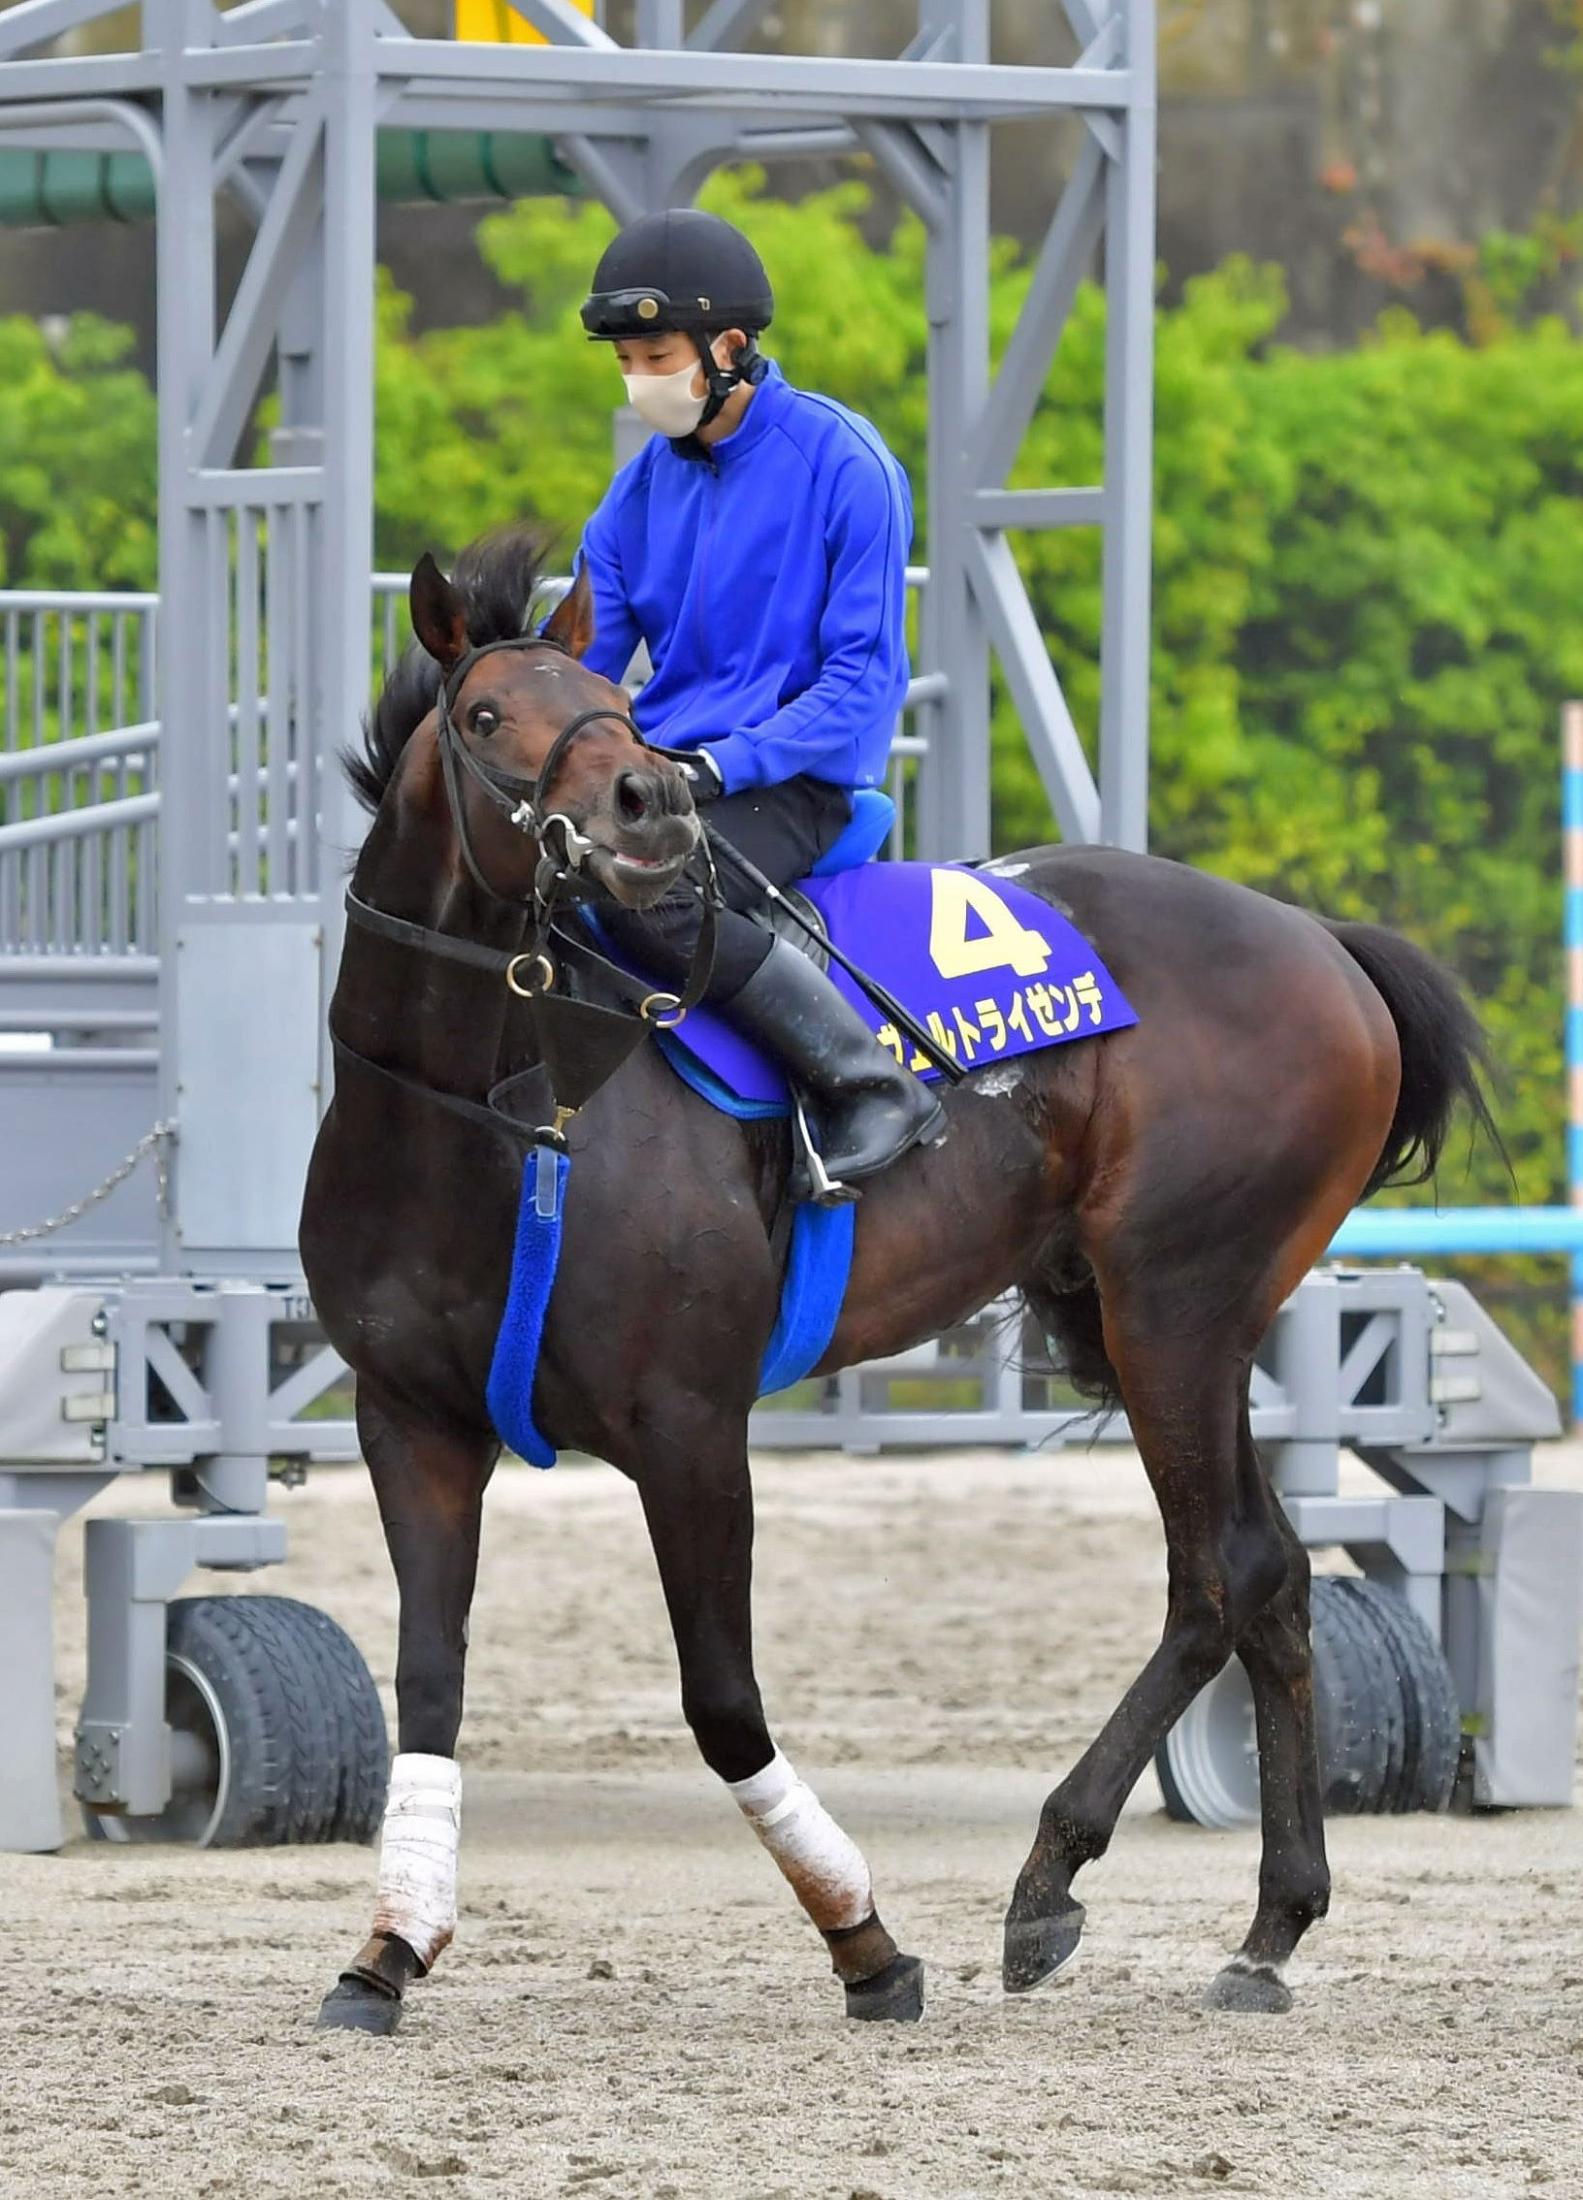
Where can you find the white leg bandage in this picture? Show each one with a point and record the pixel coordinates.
(824, 1865)
(417, 1854)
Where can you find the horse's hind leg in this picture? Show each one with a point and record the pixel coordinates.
(430, 1487)
(1226, 1560)
(1294, 1879)
(698, 1501)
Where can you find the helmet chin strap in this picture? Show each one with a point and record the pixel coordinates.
(721, 381)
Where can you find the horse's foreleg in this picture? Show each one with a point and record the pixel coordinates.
(430, 1486)
(1294, 1878)
(698, 1502)
(1225, 1563)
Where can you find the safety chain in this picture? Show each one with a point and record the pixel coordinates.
(156, 1138)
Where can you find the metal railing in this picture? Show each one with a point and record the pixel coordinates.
(79, 780)
(78, 783)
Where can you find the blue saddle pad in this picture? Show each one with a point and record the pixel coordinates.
(987, 967)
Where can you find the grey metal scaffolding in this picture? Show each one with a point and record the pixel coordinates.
(196, 1351)
(264, 568)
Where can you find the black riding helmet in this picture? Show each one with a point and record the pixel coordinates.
(688, 270)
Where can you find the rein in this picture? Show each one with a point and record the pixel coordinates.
(581, 1043)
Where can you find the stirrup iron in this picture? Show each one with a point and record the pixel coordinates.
(824, 1189)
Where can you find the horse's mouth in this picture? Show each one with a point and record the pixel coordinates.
(639, 880)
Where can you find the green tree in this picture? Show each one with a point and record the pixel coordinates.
(78, 477)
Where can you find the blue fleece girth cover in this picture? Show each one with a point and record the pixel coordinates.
(817, 1266)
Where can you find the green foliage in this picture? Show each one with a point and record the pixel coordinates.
(513, 418)
(78, 483)
(1405, 651)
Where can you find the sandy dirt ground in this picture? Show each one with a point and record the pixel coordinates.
(635, 2009)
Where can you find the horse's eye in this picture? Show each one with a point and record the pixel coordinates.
(485, 721)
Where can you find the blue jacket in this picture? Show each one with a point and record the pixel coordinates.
(770, 586)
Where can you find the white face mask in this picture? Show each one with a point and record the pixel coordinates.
(665, 402)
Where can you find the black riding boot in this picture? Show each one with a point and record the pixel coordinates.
(868, 1109)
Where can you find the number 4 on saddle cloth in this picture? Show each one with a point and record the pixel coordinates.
(989, 969)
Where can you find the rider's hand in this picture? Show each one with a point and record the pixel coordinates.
(703, 775)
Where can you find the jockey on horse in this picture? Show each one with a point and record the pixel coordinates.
(757, 544)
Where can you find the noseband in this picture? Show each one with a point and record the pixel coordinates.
(521, 801)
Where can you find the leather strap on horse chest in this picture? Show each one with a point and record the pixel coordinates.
(581, 1043)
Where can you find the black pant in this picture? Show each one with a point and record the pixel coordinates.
(783, 831)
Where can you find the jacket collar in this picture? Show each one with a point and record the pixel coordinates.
(768, 401)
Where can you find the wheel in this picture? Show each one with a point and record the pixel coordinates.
(361, 1751)
(1357, 1703)
(1208, 1765)
(277, 1734)
(1432, 1716)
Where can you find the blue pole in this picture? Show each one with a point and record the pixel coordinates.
(1410, 1233)
(1572, 938)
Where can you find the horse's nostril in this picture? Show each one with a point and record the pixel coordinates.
(633, 798)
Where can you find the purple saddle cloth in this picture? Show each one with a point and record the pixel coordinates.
(988, 968)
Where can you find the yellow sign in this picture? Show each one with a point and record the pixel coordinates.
(494, 23)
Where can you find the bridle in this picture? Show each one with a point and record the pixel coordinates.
(582, 1042)
(521, 800)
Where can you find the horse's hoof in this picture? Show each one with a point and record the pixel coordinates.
(352, 2005)
(1040, 1949)
(891, 1996)
(1254, 1989)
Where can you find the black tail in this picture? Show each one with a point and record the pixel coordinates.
(1444, 1055)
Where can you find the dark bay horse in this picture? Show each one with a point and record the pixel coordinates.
(1154, 1195)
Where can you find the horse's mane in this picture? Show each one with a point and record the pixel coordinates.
(495, 577)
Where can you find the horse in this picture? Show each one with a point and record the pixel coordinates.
(1154, 1195)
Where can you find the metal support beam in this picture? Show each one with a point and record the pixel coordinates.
(562, 24)
(902, 158)
(1057, 750)
(953, 794)
(1063, 261)
(131, 1570)
(338, 611)
(253, 20)
(1129, 452)
(295, 206)
(31, 23)
(908, 91)
(725, 23)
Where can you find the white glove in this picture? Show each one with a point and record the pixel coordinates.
(707, 781)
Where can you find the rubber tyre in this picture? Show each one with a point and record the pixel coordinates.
(1359, 1714)
(360, 1745)
(1431, 1712)
(1357, 1703)
(264, 1677)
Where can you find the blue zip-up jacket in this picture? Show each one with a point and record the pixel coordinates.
(769, 582)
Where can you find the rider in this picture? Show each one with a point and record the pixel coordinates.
(757, 544)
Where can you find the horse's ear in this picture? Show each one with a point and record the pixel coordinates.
(572, 621)
(438, 619)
